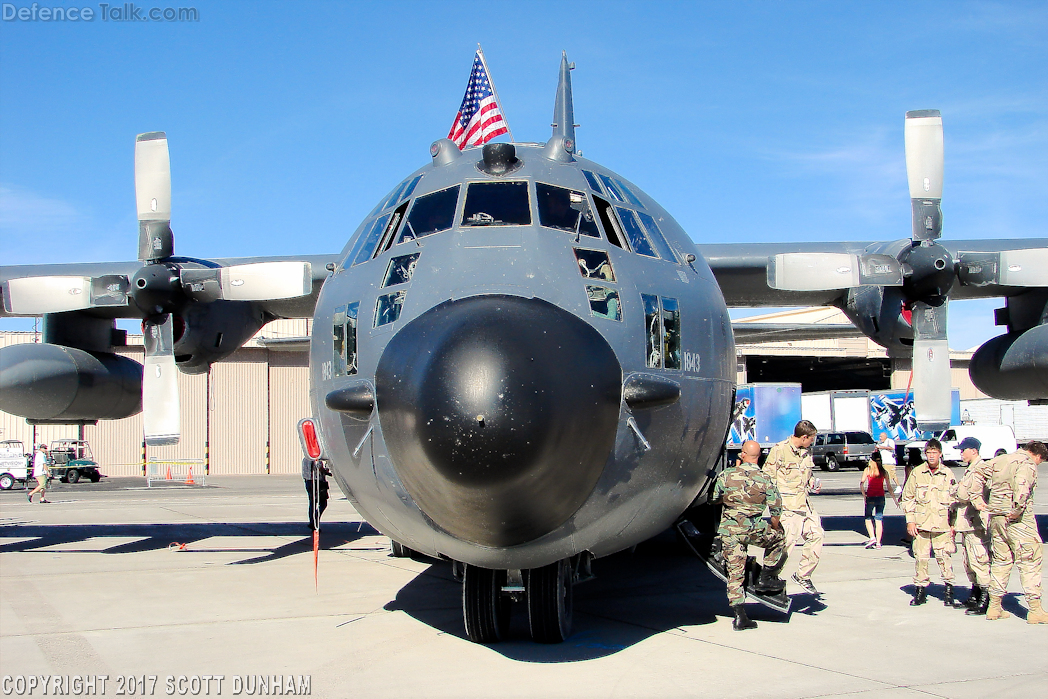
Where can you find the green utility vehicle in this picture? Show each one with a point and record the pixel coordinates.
(72, 460)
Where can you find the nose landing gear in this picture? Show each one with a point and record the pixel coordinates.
(487, 596)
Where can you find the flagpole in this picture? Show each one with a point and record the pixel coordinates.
(494, 90)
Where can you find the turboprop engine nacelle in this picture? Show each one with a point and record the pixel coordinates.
(56, 383)
(1013, 366)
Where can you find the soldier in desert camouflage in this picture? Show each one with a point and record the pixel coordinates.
(745, 491)
(926, 501)
(1011, 480)
(970, 523)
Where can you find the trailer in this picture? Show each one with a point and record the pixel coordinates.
(1028, 422)
(892, 412)
(837, 411)
(764, 412)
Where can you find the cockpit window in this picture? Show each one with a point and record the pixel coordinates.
(345, 340)
(430, 214)
(366, 242)
(665, 251)
(610, 223)
(628, 192)
(401, 192)
(497, 204)
(612, 188)
(638, 241)
(652, 319)
(400, 270)
(388, 308)
(594, 264)
(604, 302)
(565, 210)
(670, 333)
(594, 183)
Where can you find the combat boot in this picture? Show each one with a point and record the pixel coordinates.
(920, 596)
(947, 595)
(742, 622)
(973, 596)
(982, 605)
(1037, 614)
(769, 583)
(994, 611)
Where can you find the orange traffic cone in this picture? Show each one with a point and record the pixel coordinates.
(168, 473)
(189, 479)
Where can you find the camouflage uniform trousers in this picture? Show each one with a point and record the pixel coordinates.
(923, 545)
(733, 547)
(1020, 544)
(975, 546)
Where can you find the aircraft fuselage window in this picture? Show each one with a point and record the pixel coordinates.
(367, 241)
(604, 302)
(497, 204)
(344, 361)
(388, 308)
(594, 264)
(653, 334)
(611, 225)
(662, 323)
(400, 269)
(656, 237)
(594, 183)
(613, 190)
(635, 233)
(401, 192)
(431, 213)
(670, 333)
(565, 210)
(391, 228)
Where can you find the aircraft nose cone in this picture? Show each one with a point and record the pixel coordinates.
(499, 414)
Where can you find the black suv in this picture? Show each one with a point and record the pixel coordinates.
(834, 449)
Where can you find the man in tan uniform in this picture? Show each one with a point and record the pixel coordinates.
(926, 501)
(969, 523)
(790, 467)
(1013, 531)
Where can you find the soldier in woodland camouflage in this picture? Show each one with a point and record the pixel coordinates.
(1011, 480)
(745, 491)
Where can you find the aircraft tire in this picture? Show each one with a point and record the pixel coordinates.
(550, 602)
(399, 550)
(485, 609)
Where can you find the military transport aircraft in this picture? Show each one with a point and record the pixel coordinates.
(520, 362)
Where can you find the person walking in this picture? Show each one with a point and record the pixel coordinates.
(745, 491)
(1011, 480)
(41, 472)
(875, 484)
(790, 466)
(969, 523)
(926, 501)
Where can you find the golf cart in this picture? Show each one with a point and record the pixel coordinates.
(14, 464)
(72, 460)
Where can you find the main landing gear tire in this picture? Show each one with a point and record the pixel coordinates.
(484, 607)
(550, 602)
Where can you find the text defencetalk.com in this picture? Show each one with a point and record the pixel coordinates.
(103, 12)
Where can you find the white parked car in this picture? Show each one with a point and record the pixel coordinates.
(14, 463)
(995, 439)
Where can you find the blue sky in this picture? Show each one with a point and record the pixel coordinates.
(760, 121)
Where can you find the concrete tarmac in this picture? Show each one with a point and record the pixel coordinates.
(175, 582)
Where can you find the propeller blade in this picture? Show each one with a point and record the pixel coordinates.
(262, 281)
(924, 170)
(931, 367)
(160, 408)
(153, 195)
(1009, 268)
(38, 295)
(818, 271)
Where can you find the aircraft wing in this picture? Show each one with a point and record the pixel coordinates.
(742, 270)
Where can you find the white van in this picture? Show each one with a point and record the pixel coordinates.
(995, 439)
(14, 464)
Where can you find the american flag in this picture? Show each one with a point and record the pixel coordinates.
(479, 119)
